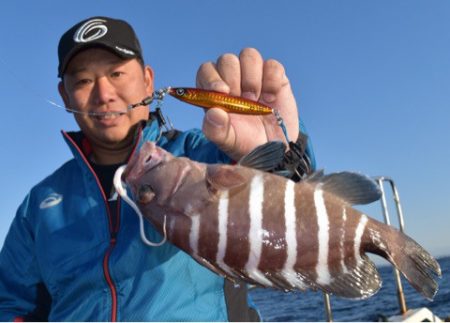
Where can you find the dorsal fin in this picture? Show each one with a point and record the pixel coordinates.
(265, 157)
(352, 187)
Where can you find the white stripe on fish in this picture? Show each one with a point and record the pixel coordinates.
(342, 247)
(256, 231)
(358, 235)
(194, 234)
(290, 212)
(322, 269)
(223, 231)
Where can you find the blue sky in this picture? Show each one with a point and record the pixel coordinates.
(372, 80)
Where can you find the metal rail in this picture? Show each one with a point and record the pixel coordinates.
(326, 299)
(380, 180)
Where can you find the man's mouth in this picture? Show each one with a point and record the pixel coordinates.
(106, 116)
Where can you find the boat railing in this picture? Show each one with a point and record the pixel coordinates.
(381, 180)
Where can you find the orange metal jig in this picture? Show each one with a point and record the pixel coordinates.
(209, 99)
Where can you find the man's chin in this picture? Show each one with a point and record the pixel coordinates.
(117, 142)
(113, 140)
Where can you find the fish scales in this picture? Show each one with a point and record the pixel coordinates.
(208, 240)
(177, 235)
(238, 228)
(336, 249)
(258, 227)
(341, 253)
(349, 259)
(274, 244)
(307, 239)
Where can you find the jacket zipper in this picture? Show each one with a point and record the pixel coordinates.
(112, 243)
(113, 234)
(109, 280)
(113, 230)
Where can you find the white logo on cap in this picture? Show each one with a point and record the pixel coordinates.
(89, 26)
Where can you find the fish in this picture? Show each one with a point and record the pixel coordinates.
(212, 99)
(247, 224)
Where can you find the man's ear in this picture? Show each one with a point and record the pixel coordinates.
(148, 78)
(63, 93)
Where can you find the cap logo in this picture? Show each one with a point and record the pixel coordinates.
(94, 27)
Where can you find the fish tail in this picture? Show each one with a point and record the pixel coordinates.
(412, 260)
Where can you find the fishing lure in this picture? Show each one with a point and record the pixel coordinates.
(209, 99)
(233, 104)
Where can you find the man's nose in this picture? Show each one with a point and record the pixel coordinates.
(104, 91)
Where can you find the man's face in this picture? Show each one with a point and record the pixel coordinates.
(96, 80)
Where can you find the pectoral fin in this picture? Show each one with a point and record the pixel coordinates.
(265, 157)
(223, 177)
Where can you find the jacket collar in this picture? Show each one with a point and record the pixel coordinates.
(81, 148)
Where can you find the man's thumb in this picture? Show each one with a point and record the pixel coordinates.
(217, 128)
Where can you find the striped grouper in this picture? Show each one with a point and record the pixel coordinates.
(247, 224)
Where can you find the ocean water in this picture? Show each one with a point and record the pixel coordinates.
(275, 305)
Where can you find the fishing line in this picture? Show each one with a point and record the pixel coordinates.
(32, 91)
(158, 95)
(281, 123)
(144, 102)
(120, 187)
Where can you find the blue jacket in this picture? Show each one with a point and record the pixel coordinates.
(64, 246)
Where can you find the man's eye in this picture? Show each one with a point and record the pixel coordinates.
(116, 74)
(82, 82)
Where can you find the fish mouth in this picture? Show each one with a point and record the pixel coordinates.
(146, 159)
(152, 158)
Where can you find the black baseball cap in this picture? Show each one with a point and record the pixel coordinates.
(112, 34)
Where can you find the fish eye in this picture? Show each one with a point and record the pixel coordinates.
(145, 194)
(144, 189)
(180, 91)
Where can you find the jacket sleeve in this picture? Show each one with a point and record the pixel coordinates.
(194, 145)
(23, 296)
(309, 146)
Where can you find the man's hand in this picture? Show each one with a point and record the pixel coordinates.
(251, 77)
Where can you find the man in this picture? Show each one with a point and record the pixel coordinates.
(73, 251)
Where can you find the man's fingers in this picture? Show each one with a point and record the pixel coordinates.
(229, 69)
(208, 78)
(274, 78)
(251, 73)
(247, 75)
